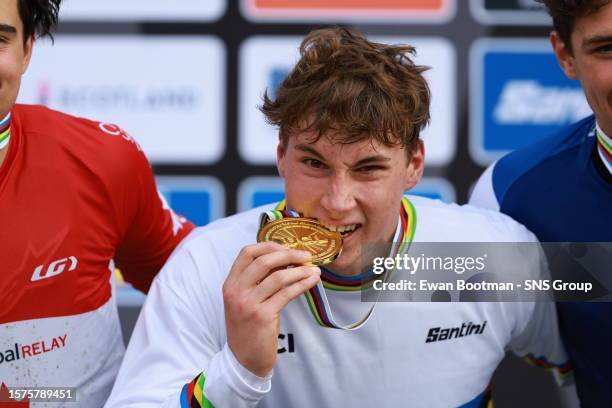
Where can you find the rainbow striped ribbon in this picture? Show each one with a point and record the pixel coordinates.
(5, 131)
(192, 394)
(316, 299)
(604, 145)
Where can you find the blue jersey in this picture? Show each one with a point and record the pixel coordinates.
(561, 190)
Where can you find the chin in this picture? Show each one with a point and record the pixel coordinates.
(346, 266)
(339, 265)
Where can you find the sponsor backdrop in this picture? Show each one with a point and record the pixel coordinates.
(185, 78)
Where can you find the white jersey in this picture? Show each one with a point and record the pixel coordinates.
(387, 363)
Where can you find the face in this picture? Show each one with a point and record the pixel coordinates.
(14, 54)
(591, 61)
(355, 188)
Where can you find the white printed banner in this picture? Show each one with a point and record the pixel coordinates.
(142, 10)
(167, 92)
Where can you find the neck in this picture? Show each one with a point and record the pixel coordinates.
(5, 136)
(3, 153)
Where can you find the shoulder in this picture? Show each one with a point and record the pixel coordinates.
(547, 152)
(439, 222)
(87, 138)
(485, 231)
(40, 119)
(37, 117)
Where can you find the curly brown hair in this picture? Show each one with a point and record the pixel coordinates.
(565, 12)
(352, 89)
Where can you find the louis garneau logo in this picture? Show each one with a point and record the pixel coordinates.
(54, 268)
(25, 351)
(448, 333)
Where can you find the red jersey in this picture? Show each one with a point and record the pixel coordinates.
(74, 196)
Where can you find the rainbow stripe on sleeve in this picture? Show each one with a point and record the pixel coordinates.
(192, 394)
(563, 372)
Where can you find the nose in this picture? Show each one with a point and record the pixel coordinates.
(339, 197)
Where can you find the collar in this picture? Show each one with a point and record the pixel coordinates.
(604, 148)
(5, 131)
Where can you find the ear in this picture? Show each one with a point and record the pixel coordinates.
(564, 55)
(415, 168)
(280, 159)
(27, 54)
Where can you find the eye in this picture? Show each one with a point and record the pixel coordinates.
(313, 163)
(606, 48)
(369, 169)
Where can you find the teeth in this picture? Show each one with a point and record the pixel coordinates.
(340, 228)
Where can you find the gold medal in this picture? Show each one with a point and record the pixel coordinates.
(303, 234)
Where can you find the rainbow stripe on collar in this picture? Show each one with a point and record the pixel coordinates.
(604, 146)
(317, 300)
(5, 131)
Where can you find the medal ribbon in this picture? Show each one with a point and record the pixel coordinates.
(5, 131)
(604, 145)
(316, 299)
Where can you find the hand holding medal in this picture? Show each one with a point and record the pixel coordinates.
(260, 284)
(288, 228)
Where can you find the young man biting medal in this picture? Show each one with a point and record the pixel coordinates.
(225, 323)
